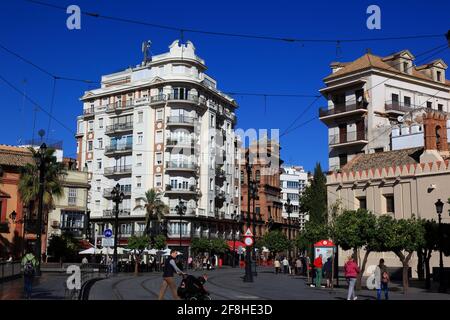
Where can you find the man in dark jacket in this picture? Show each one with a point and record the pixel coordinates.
(170, 268)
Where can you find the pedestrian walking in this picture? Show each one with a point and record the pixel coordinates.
(29, 264)
(190, 263)
(328, 272)
(277, 266)
(170, 268)
(318, 264)
(285, 265)
(298, 266)
(351, 270)
(382, 280)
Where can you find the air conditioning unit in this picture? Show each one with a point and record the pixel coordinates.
(55, 224)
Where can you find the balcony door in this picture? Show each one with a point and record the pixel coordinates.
(342, 133)
(180, 93)
(360, 130)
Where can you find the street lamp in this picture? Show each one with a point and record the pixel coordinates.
(117, 198)
(248, 268)
(442, 285)
(288, 207)
(235, 218)
(181, 210)
(254, 194)
(40, 158)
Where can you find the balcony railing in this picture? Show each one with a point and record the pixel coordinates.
(323, 112)
(158, 98)
(119, 127)
(351, 136)
(179, 142)
(88, 111)
(220, 172)
(398, 106)
(107, 192)
(181, 120)
(188, 97)
(118, 148)
(119, 105)
(220, 194)
(118, 170)
(177, 165)
(110, 213)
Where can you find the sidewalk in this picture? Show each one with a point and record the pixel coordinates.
(50, 286)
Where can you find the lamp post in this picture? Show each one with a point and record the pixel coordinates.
(181, 210)
(442, 285)
(42, 167)
(117, 198)
(248, 268)
(288, 207)
(235, 220)
(254, 193)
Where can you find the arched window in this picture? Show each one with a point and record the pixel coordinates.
(438, 137)
(257, 176)
(242, 176)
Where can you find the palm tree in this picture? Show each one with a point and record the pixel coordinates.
(155, 208)
(29, 181)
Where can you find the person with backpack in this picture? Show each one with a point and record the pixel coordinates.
(29, 264)
(351, 270)
(382, 280)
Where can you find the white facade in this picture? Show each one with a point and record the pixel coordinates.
(293, 180)
(410, 135)
(162, 124)
(370, 95)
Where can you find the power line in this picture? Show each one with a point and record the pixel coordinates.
(229, 34)
(301, 114)
(261, 94)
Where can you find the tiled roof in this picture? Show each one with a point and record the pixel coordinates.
(14, 156)
(368, 61)
(384, 159)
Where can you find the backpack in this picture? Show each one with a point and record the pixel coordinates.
(385, 277)
(28, 268)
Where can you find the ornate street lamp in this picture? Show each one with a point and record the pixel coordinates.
(117, 198)
(181, 210)
(40, 159)
(288, 207)
(442, 285)
(248, 268)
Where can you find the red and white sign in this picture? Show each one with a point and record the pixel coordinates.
(248, 241)
(248, 233)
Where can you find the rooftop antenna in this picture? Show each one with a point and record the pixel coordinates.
(146, 51)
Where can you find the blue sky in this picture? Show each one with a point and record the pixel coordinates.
(239, 65)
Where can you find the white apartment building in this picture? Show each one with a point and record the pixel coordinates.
(369, 97)
(293, 180)
(162, 124)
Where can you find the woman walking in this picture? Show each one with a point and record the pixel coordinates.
(351, 270)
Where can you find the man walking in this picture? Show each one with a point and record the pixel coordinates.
(285, 265)
(318, 263)
(29, 264)
(170, 267)
(381, 280)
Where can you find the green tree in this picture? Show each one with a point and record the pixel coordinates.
(314, 199)
(137, 244)
(218, 246)
(155, 209)
(160, 242)
(29, 181)
(276, 241)
(63, 248)
(200, 245)
(312, 233)
(431, 243)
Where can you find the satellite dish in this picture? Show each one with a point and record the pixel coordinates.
(400, 119)
(360, 99)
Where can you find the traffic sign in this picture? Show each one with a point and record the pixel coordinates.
(248, 233)
(248, 241)
(107, 242)
(107, 233)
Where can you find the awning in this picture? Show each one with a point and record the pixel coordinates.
(235, 244)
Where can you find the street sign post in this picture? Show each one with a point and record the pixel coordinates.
(107, 242)
(107, 233)
(248, 233)
(248, 241)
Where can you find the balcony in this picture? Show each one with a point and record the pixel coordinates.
(220, 173)
(122, 170)
(120, 106)
(190, 98)
(342, 110)
(179, 143)
(397, 108)
(191, 190)
(118, 149)
(159, 98)
(88, 112)
(181, 121)
(119, 128)
(350, 139)
(189, 211)
(110, 213)
(177, 166)
(107, 192)
(220, 194)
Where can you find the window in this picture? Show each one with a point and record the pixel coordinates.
(91, 125)
(97, 204)
(438, 76)
(405, 66)
(378, 150)
(72, 196)
(258, 176)
(100, 143)
(97, 183)
(212, 121)
(342, 160)
(159, 137)
(100, 123)
(138, 181)
(126, 228)
(390, 205)
(140, 137)
(438, 137)
(407, 101)
(211, 206)
(292, 184)
(440, 107)
(159, 115)
(242, 177)
(180, 93)
(139, 160)
(158, 158)
(394, 98)
(90, 145)
(429, 104)
(72, 220)
(211, 184)
(362, 203)
(140, 117)
(158, 180)
(99, 164)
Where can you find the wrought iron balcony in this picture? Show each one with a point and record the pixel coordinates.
(158, 98)
(189, 190)
(118, 170)
(398, 107)
(88, 111)
(188, 166)
(119, 106)
(119, 148)
(352, 137)
(180, 143)
(181, 120)
(342, 108)
(119, 127)
(107, 192)
(111, 213)
(186, 97)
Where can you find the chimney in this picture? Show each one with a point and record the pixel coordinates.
(435, 137)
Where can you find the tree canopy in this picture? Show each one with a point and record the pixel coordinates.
(314, 199)
(276, 241)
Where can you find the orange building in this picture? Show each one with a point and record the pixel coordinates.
(264, 158)
(12, 220)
